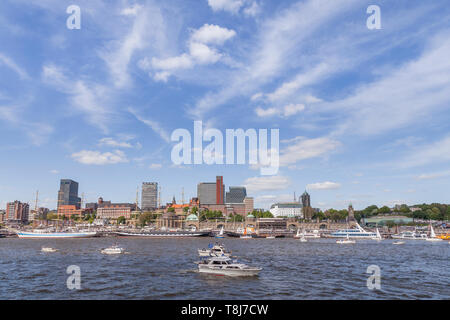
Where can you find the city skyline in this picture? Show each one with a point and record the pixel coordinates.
(98, 104)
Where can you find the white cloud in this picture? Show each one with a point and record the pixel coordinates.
(231, 6)
(54, 171)
(399, 100)
(8, 62)
(286, 111)
(301, 80)
(89, 98)
(252, 10)
(200, 52)
(152, 124)
(327, 185)
(212, 34)
(183, 61)
(131, 11)
(435, 175)
(114, 143)
(147, 27)
(98, 158)
(277, 41)
(435, 152)
(300, 148)
(37, 132)
(203, 54)
(155, 166)
(266, 183)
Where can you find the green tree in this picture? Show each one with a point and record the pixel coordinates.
(171, 209)
(384, 210)
(145, 218)
(121, 220)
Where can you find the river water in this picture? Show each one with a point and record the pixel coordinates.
(164, 269)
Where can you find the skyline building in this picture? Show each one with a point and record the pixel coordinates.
(236, 195)
(17, 211)
(149, 196)
(68, 193)
(306, 199)
(211, 192)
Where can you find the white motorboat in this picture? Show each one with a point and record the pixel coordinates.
(48, 249)
(399, 242)
(214, 251)
(113, 250)
(432, 235)
(224, 266)
(245, 237)
(270, 237)
(303, 239)
(346, 241)
(410, 235)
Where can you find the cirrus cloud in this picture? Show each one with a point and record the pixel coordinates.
(98, 158)
(327, 185)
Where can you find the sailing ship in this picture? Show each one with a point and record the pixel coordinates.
(220, 235)
(432, 235)
(47, 234)
(378, 236)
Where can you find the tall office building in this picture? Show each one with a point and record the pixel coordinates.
(236, 195)
(149, 196)
(220, 190)
(68, 193)
(306, 199)
(17, 211)
(211, 192)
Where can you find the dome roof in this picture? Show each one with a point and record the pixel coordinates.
(250, 216)
(192, 217)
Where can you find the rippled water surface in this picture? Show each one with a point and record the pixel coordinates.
(164, 269)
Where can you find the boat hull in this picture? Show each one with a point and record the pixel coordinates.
(164, 234)
(55, 235)
(231, 273)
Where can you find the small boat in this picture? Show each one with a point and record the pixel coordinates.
(270, 237)
(220, 235)
(346, 241)
(399, 242)
(432, 235)
(113, 250)
(224, 266)
(48, 249)
(410, 235)
(378, 236)
(245, 235)
(216, 250)
(303, 239)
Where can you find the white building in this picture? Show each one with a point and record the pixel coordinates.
(287, 209)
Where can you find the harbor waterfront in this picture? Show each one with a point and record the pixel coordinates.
(156, 268)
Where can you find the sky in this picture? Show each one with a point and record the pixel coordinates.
(363, 114)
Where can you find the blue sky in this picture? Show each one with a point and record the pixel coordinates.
(363, 114)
